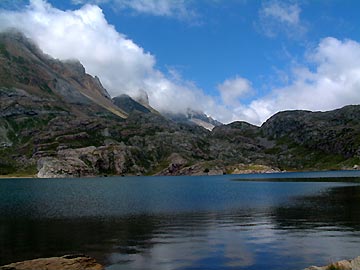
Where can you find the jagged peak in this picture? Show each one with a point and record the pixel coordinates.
(75, 67)
(32, 70)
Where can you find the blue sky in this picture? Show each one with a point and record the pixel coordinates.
(233, 59)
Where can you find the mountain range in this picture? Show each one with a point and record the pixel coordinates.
(58, 121)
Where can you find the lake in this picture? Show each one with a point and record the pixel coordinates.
(284, 221)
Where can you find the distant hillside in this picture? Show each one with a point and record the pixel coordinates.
(58, 121)
(315, 138)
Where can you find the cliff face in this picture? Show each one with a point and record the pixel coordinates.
(58, 121)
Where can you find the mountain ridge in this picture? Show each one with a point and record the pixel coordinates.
(58, 121)
(25, 66)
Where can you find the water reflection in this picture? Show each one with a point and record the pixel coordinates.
(318, 224)
(336, 207)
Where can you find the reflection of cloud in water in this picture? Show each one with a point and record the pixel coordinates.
(319, 246)
(235, 248)
(234, 245)
(320, 228)
(306, 231)
(218, 245)
(202, 224)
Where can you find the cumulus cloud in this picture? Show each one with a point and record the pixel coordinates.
(329, 79)
(167, 8)
(280, 17)
(231, 90)
(333, 83)
(122, 65)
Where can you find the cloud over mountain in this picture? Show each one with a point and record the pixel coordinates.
(334, 81)
(329, 77)
(122, 65)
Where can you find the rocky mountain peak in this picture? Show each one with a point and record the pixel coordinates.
(26, 67)
(75, 68)
(127, 104)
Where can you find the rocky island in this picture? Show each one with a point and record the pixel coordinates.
(58, 121)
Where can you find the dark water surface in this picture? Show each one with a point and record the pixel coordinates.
(210, 222)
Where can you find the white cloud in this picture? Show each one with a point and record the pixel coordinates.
(122, 65)
(168, 8)
(281, 17)
(231, 90)
(335, 82)
(156, 7)
(287, 13)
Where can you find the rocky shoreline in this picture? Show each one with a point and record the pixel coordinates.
(194, 170)
(340, 265)
(66, 262)
(80, 262)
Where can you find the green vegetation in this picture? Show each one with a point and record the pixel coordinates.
(310, 158)
(25, 125)
(159, 167)
(273, 151)
(351, 162)
(335, 267)
(7, 168)
(4, 51)
(10, 168)
(28, 171)
(45, 88)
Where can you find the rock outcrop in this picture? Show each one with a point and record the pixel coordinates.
(67, 262)
(340, 265)
(114, 159)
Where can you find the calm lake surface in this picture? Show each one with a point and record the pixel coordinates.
(261, 221)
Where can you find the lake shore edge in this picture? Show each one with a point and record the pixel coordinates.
(69, 262)
(77, 262)
(245, 172)
(352, 264)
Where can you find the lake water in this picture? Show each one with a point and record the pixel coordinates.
(213, 222)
